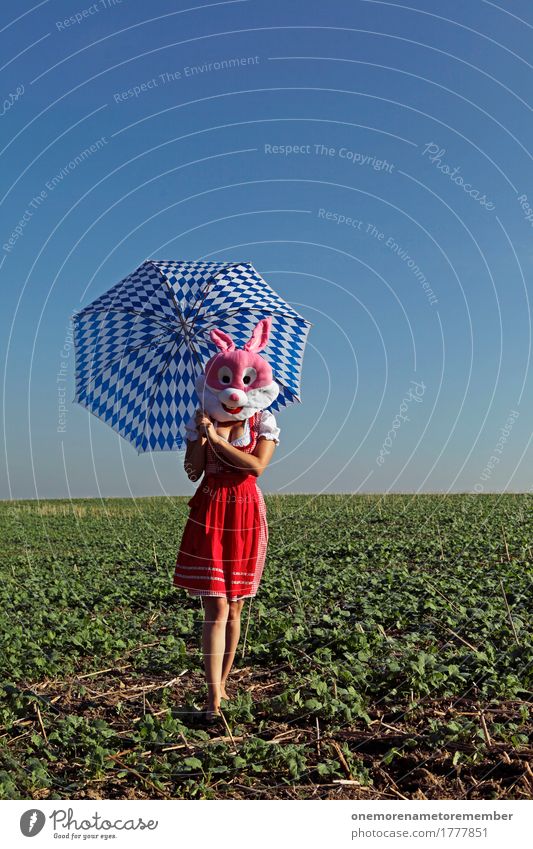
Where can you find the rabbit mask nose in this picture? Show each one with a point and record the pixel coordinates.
(234, 396)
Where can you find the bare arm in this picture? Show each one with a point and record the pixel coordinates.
(194, 463)
(254, 463)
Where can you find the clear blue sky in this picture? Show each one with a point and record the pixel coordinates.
(371, 159)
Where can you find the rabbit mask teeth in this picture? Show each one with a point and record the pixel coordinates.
(217, 403)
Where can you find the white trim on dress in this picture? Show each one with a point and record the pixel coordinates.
(267, 428)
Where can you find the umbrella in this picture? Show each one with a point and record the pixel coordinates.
(140, 346)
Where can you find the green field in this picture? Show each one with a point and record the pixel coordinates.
(388, 653)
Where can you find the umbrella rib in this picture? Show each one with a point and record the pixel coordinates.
(108, 363)
(196, 354)
(205, 292)
(249, 309)
(254, 309)
(88, 311)
(171, 353)
(174, 348)
(182, 322)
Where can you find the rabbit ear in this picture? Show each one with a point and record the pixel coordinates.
(259, 337)
(222, 340)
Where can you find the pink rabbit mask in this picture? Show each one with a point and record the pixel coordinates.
(237, 382)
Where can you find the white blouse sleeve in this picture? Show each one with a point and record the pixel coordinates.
(191, 431)
(268, 427)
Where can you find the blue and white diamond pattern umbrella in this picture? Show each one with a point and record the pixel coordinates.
(140, 346)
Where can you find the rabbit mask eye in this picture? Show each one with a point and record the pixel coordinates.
(249, 375)
(225, 375)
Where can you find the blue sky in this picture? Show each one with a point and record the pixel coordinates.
(370, 159)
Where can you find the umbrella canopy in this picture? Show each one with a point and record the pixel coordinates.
(141, 345)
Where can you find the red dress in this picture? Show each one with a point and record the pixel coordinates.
(224, 543)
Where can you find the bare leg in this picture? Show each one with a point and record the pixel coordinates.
(213, 642)
(233, 632)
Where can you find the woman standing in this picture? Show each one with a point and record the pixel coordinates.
(223, 549)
